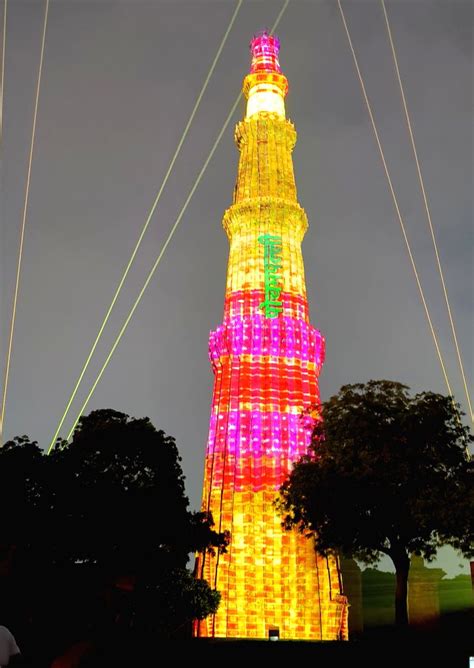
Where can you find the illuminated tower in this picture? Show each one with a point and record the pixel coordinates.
(266, 358)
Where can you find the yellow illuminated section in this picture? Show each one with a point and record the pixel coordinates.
(266, 366)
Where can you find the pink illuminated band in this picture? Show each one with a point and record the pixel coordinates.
(265, 49)
(257, 335)
(258, 439)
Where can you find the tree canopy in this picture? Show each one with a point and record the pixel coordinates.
(387, 473)
(108, 511)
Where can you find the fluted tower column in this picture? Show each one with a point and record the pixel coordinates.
(266, 359)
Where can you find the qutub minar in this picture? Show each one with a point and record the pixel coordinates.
(266, 359)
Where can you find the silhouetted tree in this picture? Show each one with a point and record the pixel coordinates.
(119, 495)
(101, 520)
(386, 474)
(168, 605)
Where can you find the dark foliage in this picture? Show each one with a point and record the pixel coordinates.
(387, 473)
(99, 532)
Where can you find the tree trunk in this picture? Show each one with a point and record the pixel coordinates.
(402, 566)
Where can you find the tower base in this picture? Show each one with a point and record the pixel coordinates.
(272, 581)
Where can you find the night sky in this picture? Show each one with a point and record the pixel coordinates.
(119, 83)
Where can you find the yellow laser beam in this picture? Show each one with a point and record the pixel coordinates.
(147, 223)
(427, 208)
(395, 201)
(279, 17)
(155, 266)
(2, 85)
(2, 72)
(164, 247)
(22, 232)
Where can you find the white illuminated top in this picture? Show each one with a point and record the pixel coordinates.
(265, 96)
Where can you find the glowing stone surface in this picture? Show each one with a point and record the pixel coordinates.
(265, 97)
(266, 359)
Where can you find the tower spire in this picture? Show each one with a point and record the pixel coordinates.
(265, 87)
(265, 49)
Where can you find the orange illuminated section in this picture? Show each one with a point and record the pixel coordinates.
(266, 358)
